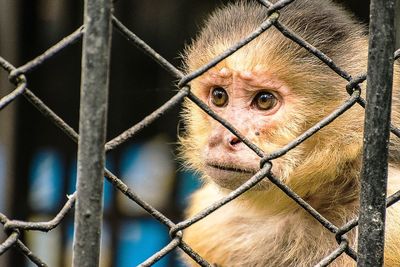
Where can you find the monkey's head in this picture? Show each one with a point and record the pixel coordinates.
(271, 91)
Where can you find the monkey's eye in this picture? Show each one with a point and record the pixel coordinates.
(219, 97)
(264, 101)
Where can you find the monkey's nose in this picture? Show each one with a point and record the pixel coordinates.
(233, 141)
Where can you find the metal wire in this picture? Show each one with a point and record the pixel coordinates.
(13, 228)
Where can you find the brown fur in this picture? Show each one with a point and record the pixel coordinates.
(265, 227)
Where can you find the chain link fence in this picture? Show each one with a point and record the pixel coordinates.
(96, 34)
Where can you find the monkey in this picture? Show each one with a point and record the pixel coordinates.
(272, 90)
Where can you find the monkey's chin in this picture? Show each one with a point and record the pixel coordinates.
(231, 177)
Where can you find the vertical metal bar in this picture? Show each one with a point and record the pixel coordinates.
(92, 129)
(376, 134)
(9, 15)
(397, 23)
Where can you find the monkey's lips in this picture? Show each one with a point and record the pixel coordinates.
(231, 169)
(228, 176)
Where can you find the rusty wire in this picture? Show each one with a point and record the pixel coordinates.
(17, 76)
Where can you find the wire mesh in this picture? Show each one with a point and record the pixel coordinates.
(13, 228)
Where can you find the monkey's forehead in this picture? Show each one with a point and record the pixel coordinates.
(225, 70)
(254, 79)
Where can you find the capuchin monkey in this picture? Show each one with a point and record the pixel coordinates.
(272, 91)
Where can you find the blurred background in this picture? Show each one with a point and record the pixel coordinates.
(38, 161)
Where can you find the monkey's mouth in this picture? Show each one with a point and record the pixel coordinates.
(231, 169)
(228, 176)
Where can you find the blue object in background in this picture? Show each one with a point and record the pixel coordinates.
(188, 182)
(149, 170)
(108, 188)
(46, 181)
(140, 239)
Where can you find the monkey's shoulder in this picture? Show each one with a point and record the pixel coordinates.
(240, 235)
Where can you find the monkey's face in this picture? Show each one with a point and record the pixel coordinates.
(258, 104)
